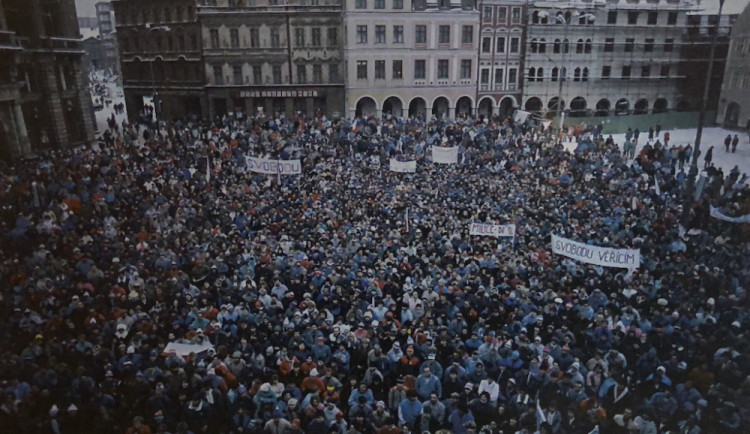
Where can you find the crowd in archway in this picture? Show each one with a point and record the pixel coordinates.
(352, 299)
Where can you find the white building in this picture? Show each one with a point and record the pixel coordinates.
(411, 57)
(604, 57)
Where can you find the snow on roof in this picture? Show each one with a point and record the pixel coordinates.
(89, 33)
(711, 7)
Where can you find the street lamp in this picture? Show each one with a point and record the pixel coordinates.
(563, 71)
(154, 95)
(702, 114)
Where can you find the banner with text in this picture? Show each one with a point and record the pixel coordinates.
(274, 167)
(716, 213)
(445, 155)
(489, 230)
(403, 166)
(603, 256)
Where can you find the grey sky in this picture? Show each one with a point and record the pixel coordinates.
(85, 8)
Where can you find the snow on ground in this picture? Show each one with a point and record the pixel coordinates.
(116, 95)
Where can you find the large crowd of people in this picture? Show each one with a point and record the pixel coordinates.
(352, 299)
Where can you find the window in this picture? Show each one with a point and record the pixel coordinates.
(556, 46)
(380, 70)
(585, 76)
(398, 34)
(257, 74)
(419, 69)
(626, 72)
(317, 73)
(276, 72)
(234, 38)
(486, 45)
(512, 73)
(531, 76)
(419, 5)
(467, 34)
(361, 69)
(664, 71)
(299, 37)
(566, 46)
(502, 14)
(442, 72)
(254, 38)
(379, 4)
(214, 35)
(577, 74)
(609, 45)
(484, 76)
(275, 39)
(444, 34)
(302, 74)
(237, 74)
(361, 34)
(333, 36)
(540, 74)
(514, 44)
(579, 46)
(499, 76)
(181, 42)
(380, 34)
(361, 4)
(668, 45)
(629, 44)
(653, 17)
(606, 72)
(554, 74)
(420, 34)
(612, 17)
(333, 73)
(194, 42)
(467, 5)
(487, 14)
(444, 4)
(542, 45)
(398, 4)
(516, 15)
(646, 71)
(648, 47)
(316, 38)
(398, 69)
(533, 46)
(672, 18)
(465, 68)
(218, 75)
(633, 18)
(500, 45)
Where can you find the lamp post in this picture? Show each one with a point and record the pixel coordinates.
(693, 173)
(154, 95)
(563, 70)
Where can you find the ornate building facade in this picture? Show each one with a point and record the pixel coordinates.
(272, 57)
(160, 56)
(44, 101)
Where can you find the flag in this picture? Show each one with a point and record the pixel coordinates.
(406, 219)
(278, 173)
(656, 186)
(208, 170)
(540, 417)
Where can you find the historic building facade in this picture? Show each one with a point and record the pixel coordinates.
(273, 57)
(602, 58)
(44, 101)
(734, 102)
(502, 42)
(411, 57)
(160, 57)
(105, 17)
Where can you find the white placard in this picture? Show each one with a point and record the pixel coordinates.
(488, 230)
(403, 166)
(445, 155)
(603, 256)
(274, 167)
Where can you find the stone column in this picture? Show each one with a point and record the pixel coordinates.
(22, 136)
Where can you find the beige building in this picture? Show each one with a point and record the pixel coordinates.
(734, 102)
(604, 57)
(272, 56)
(411, 57)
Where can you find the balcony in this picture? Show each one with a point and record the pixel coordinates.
(8, 41)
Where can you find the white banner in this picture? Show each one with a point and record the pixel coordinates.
(489, 230)
(185, 349)
(520, 116)
(403, 166)
(274, 167)
(715, 213)
(445, 155)
(603, 256)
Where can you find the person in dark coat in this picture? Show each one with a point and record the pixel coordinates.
(708, 157)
